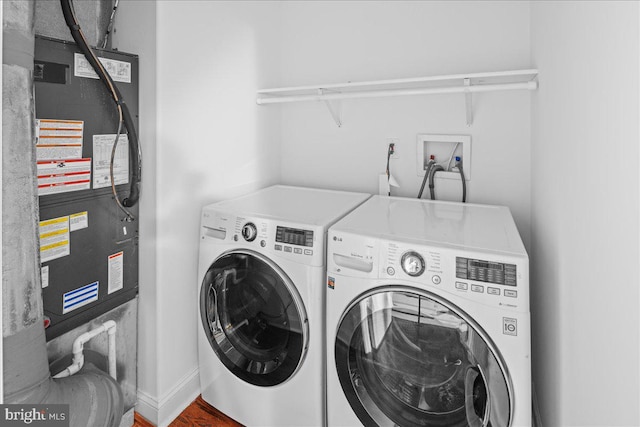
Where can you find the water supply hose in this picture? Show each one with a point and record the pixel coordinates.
(432, 173)
(464, 181)
(426, 176)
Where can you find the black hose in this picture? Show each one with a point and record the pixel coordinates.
(123, 110)
(464, 182)
(389, 151)
(424, 180)
(432, 173)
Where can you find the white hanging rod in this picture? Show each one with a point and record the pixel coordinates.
(529, 85)
(522, 74)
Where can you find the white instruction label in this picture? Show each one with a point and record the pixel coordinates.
(44, 273)
(116, 268)
(78, 221)
(119, 71)
(59, 139)
(54, 238)
(102, 147)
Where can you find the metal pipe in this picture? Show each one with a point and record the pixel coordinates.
(531, 85)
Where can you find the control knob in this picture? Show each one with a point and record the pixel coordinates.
(249, 232)
(413, 264)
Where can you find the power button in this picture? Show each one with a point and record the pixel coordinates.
(436, 279)
(391, 271)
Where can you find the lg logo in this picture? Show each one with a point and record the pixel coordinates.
(337, 239)
(509, 326)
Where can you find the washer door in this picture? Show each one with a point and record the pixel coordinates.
(254, 318)
(407, 357)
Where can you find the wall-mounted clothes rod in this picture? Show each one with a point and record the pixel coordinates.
(397, 92)
(458, 83)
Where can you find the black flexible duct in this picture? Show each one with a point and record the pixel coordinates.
(123, 110)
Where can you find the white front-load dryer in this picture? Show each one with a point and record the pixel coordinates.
(261, 304)
(427, 316)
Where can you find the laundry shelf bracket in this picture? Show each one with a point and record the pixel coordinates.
(468, 101)
(467, 84)
(334, 107)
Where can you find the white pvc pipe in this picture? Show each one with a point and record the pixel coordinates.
(78, 345)
(531, 85)
(112, 350)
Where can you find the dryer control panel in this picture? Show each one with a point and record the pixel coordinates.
(298, 242)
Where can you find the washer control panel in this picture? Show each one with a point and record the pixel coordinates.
(491, 278)
(494, 281)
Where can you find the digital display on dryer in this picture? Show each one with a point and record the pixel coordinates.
(294, 236)
(486, 271)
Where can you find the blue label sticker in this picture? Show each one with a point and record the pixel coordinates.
(79, 297)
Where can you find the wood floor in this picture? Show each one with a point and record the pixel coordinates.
(198, 414)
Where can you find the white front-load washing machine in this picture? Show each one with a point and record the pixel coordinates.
(262, 292)
(428, 318)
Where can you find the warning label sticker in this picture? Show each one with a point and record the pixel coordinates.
(102, 147)
(116, 267)
(78, 220)
(59, 139)
(54, 238)
(62, 176)
(119, 71)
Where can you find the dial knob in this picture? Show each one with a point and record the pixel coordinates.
(413, 264)
(249, 232)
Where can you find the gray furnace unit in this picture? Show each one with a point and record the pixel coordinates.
(89, 246)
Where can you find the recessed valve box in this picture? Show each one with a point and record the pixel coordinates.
(445, 148)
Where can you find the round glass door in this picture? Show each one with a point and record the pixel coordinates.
(406, 357)
(254, 318)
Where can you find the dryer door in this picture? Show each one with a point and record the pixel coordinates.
(407, 357)
(254, 318)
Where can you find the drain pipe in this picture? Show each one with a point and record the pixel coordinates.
(78, 345)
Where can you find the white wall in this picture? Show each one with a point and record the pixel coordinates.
(585, 187)
(206, 140)
(135, 32)
(336, 42)
(211, 142)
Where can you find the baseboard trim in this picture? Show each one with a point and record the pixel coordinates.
(147, 406)
(163, 411)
